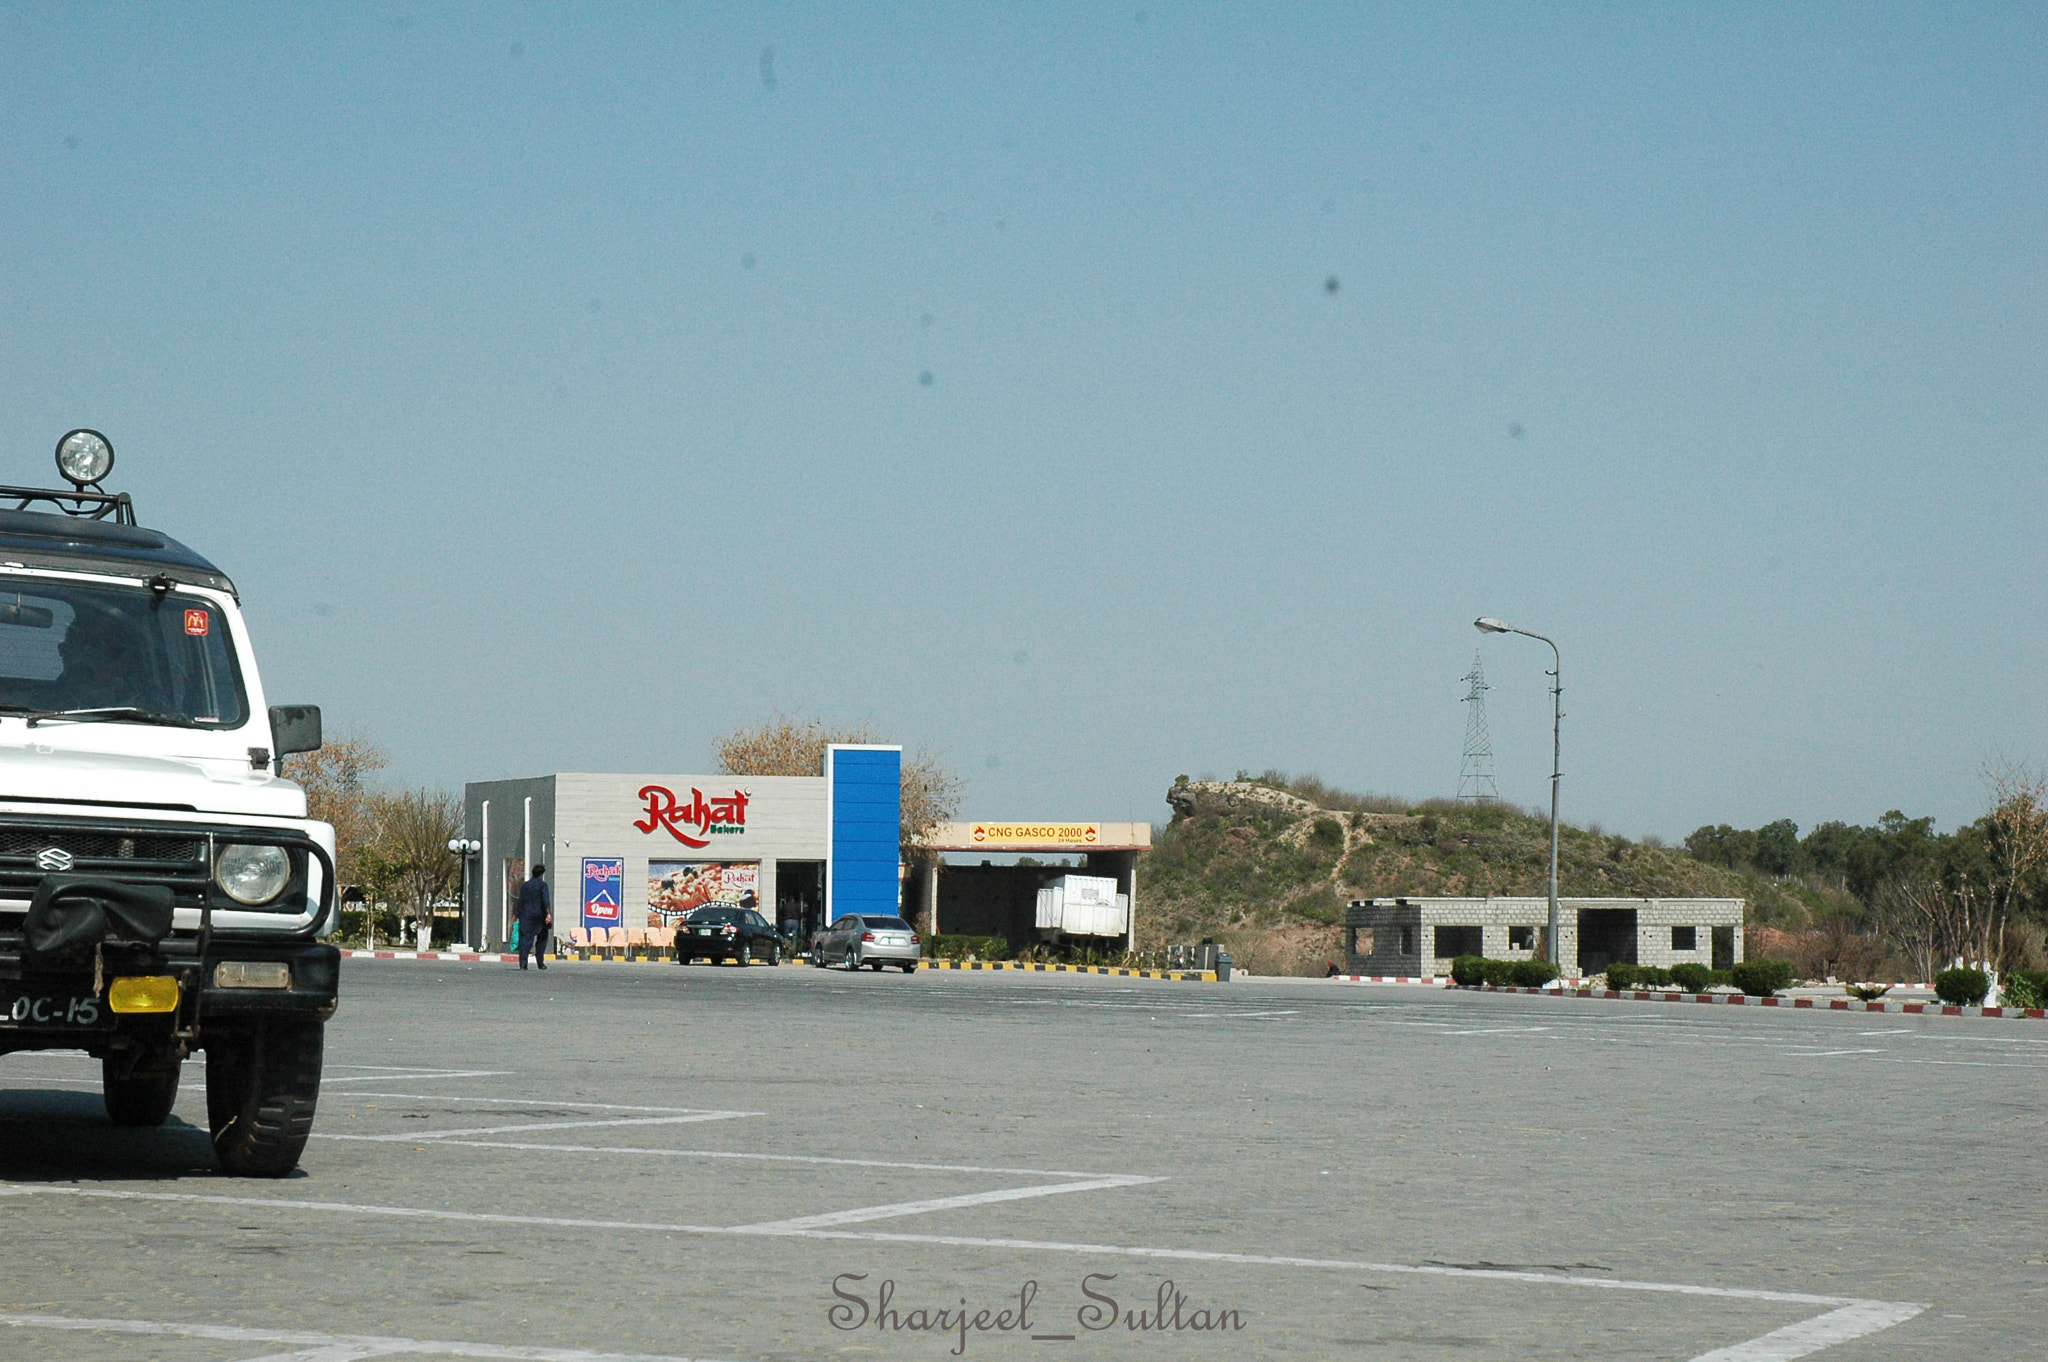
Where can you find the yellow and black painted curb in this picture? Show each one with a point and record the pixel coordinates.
(1187, 976)
(598, 956)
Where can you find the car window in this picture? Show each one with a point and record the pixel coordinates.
(888, 924)
(710, 915)
(67, 645)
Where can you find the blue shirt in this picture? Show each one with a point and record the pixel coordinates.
(535, 902)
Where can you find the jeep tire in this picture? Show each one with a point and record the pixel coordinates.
(142, 1093)
(261, 1087)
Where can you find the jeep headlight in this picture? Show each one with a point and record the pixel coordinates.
(252, 874)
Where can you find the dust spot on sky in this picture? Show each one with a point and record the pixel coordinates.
(596, 305)
(991, 761)
(517, 50)
(1001, 224)
(71, 144)
(1331, 285)
(1329, 205)
(1515, 430)
(925, 321)
(925, 379)
(768, 67)
(323, 610)
(1140, 17)
(747, 261)
(402, 22)
(561, 391)
(1021, 656)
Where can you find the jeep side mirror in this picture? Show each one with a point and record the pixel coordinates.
(294, 728)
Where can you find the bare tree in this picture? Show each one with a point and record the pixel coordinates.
(410, 863)
(2016, 836)
(336, 782)
(784, 746)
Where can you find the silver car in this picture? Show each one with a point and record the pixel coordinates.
(866, 939)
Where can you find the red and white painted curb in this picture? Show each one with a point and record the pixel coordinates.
(509, 957)
(1812, 1004)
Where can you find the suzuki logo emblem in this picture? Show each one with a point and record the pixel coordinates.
(53, 858)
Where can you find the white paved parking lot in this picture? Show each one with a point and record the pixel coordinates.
(725, 1163)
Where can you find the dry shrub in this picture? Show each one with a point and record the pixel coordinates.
(1304, 949)
(1830, 951)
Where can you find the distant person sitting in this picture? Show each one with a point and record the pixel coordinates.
(1332, 972)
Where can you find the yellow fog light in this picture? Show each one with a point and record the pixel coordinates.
(252, 974)
(143, 993)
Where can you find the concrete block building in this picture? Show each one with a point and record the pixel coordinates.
(1419, 937)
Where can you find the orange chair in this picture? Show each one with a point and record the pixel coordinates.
(615, 940)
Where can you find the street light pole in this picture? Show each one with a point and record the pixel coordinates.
(1494, 626)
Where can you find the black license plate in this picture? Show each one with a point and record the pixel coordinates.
(52, 1009)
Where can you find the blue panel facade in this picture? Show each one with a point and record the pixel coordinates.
(867, 808)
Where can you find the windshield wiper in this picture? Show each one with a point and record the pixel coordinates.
(110, 714)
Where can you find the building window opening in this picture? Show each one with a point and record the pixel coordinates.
(1685, 938)
(1521, 938)
(1452, 942)
(1407, 941)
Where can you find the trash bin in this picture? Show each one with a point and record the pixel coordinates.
(1223, 967)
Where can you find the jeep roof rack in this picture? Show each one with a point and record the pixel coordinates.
(78, 503)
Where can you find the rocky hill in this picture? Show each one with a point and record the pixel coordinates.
(1269, 864)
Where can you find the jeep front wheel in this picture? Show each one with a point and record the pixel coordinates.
(261, 1088)
(142, 1093)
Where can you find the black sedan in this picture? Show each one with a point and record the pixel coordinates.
(719, 931)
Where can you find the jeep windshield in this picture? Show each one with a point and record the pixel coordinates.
(74, 652)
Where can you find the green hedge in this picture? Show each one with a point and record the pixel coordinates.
(1694, 977)
(1762, 978)
(1962, 987)
(1471, 970)
(1691, 977)
(960, 947)
(2026, 988)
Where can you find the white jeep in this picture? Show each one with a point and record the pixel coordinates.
(161, 888)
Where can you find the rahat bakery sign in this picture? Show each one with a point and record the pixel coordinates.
(706, 818)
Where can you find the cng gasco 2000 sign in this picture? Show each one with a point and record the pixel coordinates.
(1069, 834)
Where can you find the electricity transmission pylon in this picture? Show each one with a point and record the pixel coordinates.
(1475, 776)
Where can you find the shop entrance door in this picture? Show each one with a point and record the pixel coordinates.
(800, 899)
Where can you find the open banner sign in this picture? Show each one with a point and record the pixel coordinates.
(604, 891)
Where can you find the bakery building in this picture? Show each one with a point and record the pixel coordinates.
(632, 850)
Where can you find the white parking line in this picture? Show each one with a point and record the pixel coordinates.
(416, 1136)
(766, 1158)
(519, 1101)
(1846, 1317)
(938, 1203)
(339, 1347)
(328, 1080)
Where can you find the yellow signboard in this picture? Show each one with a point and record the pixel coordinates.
(1066, 834)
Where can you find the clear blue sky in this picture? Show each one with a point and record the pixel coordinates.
(552, 380)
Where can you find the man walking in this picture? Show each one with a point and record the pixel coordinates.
(536, 915)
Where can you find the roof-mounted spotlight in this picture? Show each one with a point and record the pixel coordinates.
(84, 457)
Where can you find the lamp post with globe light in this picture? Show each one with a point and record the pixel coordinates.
(466, 847)
(1486, 625)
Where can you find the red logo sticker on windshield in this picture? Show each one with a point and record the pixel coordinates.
(197, 622)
